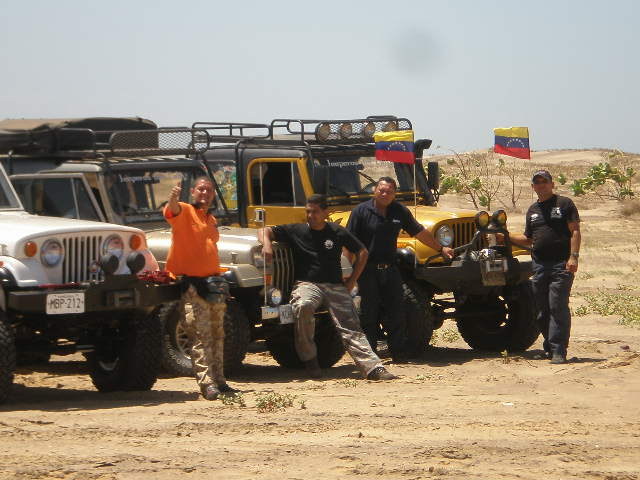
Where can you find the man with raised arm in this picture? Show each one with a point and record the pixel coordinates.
(194, 255)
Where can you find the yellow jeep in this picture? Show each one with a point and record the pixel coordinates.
(265, 172)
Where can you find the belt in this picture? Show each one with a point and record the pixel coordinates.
(381, 266)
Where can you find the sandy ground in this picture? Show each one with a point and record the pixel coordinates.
(455, 413)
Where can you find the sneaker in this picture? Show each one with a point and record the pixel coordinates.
(225, 388)
(380, 373)
(558, 359)
(313, 368)
(210, 392)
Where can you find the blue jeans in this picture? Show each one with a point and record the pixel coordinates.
(551, 286)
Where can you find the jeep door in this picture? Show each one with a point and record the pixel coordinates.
(280, 187)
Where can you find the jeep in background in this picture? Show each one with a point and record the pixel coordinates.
(277, 166)
(121, 170)
(71, 286)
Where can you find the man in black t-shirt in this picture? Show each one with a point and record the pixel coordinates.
(553, 228)
(377, 223)
(317, 249)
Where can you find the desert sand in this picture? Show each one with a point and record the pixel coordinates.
(455, 413)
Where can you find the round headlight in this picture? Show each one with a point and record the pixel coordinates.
(113, 245)
(345, 130)
(482, 220)
(51, 253)
(274, 296)
(323, 131)
(499, 218)
(444, 234)
(258, 259)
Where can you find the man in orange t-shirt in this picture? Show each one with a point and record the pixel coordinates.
(194, 254)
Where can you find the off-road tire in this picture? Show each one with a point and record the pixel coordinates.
(7, 358)
(328, 342)
(133, 361)
(515, 329)
(175, 356)
(420, 324)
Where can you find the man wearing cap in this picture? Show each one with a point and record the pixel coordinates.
(377, 224)
(553, 229)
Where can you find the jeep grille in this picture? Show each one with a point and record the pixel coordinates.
(283, 270)
(463, 232)
(80, 252)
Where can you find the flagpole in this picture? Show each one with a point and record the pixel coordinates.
(415, 208)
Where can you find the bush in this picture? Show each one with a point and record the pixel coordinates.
(610, 179)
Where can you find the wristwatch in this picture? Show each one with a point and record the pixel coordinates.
(575, 255)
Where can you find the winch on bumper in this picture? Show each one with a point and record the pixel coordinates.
(115, 292)
(478, 267)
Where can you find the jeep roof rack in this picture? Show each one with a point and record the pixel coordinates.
(89, 139)
(291, 131)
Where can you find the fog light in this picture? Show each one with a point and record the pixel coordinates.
(482, 220)
(109, 263)
(135, 262)
(499, 218)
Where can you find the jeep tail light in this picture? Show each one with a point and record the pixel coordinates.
(30, 249)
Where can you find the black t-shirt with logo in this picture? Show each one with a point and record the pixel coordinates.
(547, 225)
(380, 233)
(316, 253)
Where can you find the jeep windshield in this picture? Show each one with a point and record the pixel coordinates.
(139, 195)
(351, 176)
(55, 195)
(8, 198)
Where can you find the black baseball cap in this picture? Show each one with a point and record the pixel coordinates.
(541, 173)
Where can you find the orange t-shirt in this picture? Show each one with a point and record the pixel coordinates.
(194, 237)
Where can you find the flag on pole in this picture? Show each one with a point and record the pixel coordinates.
(512, 141)
(396, 146)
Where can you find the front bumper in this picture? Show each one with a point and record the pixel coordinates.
(116, 292)
(467, 276)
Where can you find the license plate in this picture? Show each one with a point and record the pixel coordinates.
(284, 312)
(60, 303)
(269, 312)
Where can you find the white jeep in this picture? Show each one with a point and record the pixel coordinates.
(78, 286)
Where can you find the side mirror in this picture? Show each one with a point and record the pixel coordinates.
(433, 175)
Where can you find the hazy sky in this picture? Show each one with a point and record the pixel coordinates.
(457, 69)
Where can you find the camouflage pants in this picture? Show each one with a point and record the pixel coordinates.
(306, 298)
(205, 330)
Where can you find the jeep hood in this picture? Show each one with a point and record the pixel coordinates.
(233, 240)
(21, 224)
(427, 216)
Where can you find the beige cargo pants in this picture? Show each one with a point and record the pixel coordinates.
(305, 300)
(205, 330)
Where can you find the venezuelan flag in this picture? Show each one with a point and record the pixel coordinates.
(512, 141)
(395, 146)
